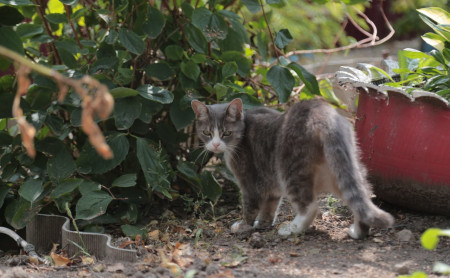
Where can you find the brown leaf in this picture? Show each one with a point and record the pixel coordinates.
(59, 259)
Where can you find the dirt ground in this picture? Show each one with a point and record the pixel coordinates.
(181, 246)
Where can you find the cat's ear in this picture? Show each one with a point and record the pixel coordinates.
(234, 110)
(200, 110)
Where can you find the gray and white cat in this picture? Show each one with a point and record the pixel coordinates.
(297, 154)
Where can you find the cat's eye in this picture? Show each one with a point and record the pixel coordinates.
(226, 133)
(206, 132)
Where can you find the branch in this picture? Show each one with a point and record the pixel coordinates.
(95, 96)
(275, 49)
(359, 44)
(71, 25)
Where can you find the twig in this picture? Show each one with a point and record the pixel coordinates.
(359, 44)
(270, 32)
(71, 25)
(370, 22)
(100, 104)
(41, 12)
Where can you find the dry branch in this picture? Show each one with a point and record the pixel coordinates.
(96, 101)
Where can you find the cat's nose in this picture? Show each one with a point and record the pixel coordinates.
(216, 145)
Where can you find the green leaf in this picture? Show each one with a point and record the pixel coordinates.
(434, 40)
(9, 39)
(229, 69)
(31, 189)
(69, 2)
(437, 14)
(201, 18)
(127, 180)
(154, 167)
(19, 213)
(124, 76)
(196, 38)
(210, 187)
(283, 38)
(91, 162)
(133, 231)
(16, 2)
(244, 64)
(181, 116)
(4, 189)
(65, 187)
(282, 82)
(67, 58)
(10, 16)
(437, 55)
(87, 187)
(157, 94)
(174, 52)
(307, 78)
(189, 170)
(326, 90)
(132, 42)
(155, 23)
(92, 205)
(252, 5)
(149, 108)
(61, 164)
(57, 18)
(27, 30)
(159, 71)
(430, 238)
(126, 111)
(190, 69)
(5, 138)
(122, 92)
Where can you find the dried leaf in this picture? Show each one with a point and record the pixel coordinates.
(154, 235)
(59, 259)
(87, 260)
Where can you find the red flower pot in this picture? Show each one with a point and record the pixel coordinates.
(405, 144)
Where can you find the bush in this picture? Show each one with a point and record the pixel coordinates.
(154, 57)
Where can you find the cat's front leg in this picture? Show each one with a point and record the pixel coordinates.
(250, 209)
(268, 212)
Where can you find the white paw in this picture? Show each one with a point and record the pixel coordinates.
(285, 229)
(354, 232)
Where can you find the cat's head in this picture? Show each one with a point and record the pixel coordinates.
(219, 126)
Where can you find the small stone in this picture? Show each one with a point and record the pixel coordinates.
(402, 268)
(257, 241)
(404, 235)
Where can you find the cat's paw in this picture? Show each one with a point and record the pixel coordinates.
(262, 225)
(239, 227)
(285, 229)
(356, 233)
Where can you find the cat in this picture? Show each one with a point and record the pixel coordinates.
(298, 154)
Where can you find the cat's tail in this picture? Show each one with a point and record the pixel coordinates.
(341, 153)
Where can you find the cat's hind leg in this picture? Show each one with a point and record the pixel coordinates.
(302, 198)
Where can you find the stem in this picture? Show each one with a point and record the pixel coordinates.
(71, 25)
(22, 60)
(275, 49)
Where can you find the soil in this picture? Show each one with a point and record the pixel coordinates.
(202, 247)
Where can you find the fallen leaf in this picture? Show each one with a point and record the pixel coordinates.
(87, 260)
(126, 243)
(154, 235)
(292, 254)
(59, 259)
(34, 260)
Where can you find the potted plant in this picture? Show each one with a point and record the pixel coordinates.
(403, 121)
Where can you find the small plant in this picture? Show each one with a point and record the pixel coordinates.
(419, 70)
